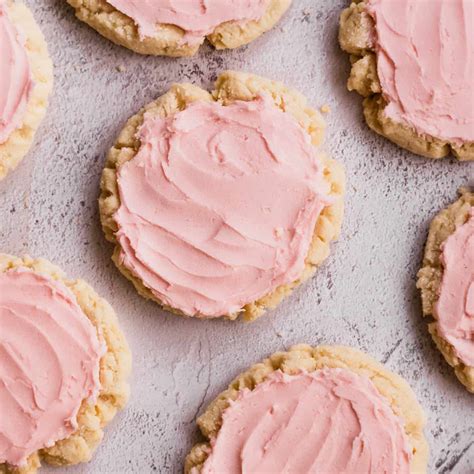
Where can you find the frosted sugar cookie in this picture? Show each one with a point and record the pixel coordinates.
(220, 204)
(324, 409)
(26, 80)
(64, 365)
(446, 281)
(414, 64)
(179, 28)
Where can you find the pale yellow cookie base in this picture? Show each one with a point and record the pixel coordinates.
(431, 274)
(114, 370)
(232, 35)
(21, 139)
(230, 86)
(168, 40)
(356, 34)
(303, 357)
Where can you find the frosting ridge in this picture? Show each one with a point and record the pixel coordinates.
(425, 61)
(15, 78)
(455, 306)
(49, 363)
(330, 420)
(196, 18)
(219, 205)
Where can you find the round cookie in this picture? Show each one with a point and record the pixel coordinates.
(58, 424)
(447, 285)
(192, 279)
(417, 93)
(263, 395)
(23, 55)
(167, 33)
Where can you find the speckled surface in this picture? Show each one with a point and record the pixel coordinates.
(363, 296)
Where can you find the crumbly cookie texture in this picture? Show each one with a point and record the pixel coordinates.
(230, 86)
(303, 357)
(356, 37)
(431, 274)
(122, 30)
(115, 368)
(21, 139)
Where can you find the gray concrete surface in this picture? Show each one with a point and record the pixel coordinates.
(363, 296)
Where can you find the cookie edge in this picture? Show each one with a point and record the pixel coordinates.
(98, 14)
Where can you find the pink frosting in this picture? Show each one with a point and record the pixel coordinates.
(49, 363)
(425, 55)
(455, 306)
(197, 18)
(15, 76)
(331, 421)
(219, 205)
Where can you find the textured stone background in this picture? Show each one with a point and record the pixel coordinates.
(363, 296)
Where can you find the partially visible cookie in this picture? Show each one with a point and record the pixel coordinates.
(220, 204)
(446, 281)
(27, 71)
(161, 30)
(64, 364)
(321, 409)
(416, 77)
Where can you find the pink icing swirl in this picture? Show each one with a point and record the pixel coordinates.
(425, 56)
(331, 421)
(49, 363)
(196, 18)
(455, 306)
(219, 205)
(15, 76)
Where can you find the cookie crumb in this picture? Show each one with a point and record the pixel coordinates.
(121, 68)
(325, 109)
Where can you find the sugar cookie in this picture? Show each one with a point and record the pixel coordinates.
(414, 64)
(26, 82)
(64, 365)
(220, 204)
(321, 409)
(446, 281)
(159, 29)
